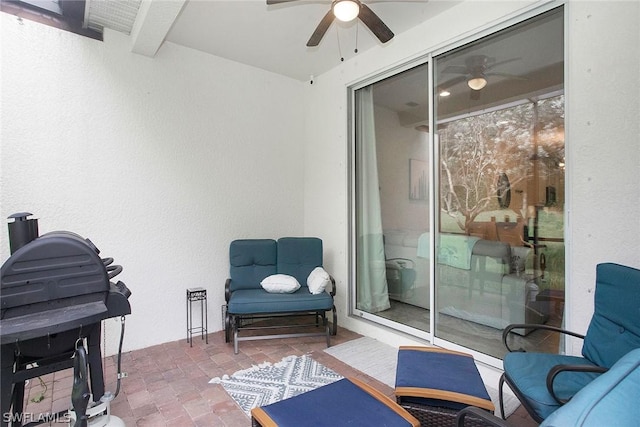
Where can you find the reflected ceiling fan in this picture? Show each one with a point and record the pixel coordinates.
(346, 11)
(475, 71)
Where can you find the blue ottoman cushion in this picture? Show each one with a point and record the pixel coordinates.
(437, 377)
(342, 403)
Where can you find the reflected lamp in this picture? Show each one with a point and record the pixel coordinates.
(477, 82)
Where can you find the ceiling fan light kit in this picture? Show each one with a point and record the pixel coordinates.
(346, 10)
(477, 82)
(476, 71)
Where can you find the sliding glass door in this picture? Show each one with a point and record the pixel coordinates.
(459, 208)
(392, 189)
(500, 132)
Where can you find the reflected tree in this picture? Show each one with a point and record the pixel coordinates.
(476, 150)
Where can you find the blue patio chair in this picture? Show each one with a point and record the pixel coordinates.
(609, 400)
(544, 382)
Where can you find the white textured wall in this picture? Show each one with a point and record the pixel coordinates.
(602, 131)
(160, 162)
(603, 142)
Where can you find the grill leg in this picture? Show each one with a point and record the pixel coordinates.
(95, 363)
(18, 400)
(6, 388)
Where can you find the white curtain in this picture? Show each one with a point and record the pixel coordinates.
(371, 289)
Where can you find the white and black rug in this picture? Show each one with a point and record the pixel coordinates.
(269, 383)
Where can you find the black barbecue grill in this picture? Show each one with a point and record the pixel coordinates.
(55, 290)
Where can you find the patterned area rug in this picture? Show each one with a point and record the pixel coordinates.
(269, 383)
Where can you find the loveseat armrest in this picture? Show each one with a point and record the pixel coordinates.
(333, 286)
(227, 290)
(332, 292)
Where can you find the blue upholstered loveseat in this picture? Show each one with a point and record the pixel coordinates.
(253, 260)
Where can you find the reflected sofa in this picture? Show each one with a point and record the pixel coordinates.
(490, 292)
(407, 273)
(478, 280)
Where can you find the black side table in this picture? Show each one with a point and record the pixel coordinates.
(197, 294)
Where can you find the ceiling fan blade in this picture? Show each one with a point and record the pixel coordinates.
(510, 76)
(322, 28)
(506, 61)
(375, 24)
(455, 69)
(452, 82)
(278, 1)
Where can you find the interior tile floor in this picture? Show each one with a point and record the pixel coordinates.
(466, 333)
(168, 384)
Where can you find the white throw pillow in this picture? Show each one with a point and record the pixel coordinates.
(280, 284)
(318, 280)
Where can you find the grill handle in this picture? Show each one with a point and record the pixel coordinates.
(21, 230)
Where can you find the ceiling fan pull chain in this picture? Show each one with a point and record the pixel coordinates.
(357, 26)
(339, 48)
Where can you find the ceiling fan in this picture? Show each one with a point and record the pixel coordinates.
(347, 10)
(476, 70)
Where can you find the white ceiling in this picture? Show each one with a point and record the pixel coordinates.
(270, 37)
(274, 38)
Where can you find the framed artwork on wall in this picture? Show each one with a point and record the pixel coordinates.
(418, 181)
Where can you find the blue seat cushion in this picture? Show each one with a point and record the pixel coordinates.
(611, 399)
(438, 377)
(528, 373)
(341, 403)
(257, 301)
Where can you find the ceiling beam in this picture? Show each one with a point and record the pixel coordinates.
(153, 22)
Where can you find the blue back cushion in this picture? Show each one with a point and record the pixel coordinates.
(615, 326)
(298, 256)
(251, 260)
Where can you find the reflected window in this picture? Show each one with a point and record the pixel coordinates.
(500, 197)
